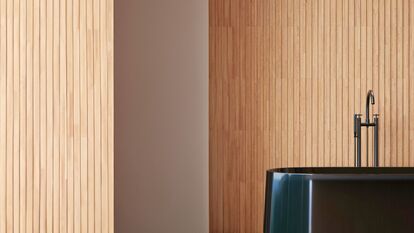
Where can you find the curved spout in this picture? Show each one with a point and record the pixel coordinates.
(370, 96)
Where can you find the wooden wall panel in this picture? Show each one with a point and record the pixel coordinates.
(56, 116)
(286, 77)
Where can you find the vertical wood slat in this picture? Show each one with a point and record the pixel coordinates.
(23, 115)
(351, 72)
(399, 88)
(16, 116)
(405, 84)
(363, 79)
(3, 116)
(393, 88)
(97, 115)
(49, 116)
(381, 71)
(298, 70)
(77, 117)
(308, 105)
(91, 125)
(36, 116)
(333, 80)
(375, 55)
(83, 120)
(346, 120)
(9, 118)
(314, 83)
(339, 79)
(29, 118)
(56, 116)
(111, 113)
(411, 82)
(302, 89)
(371, 81)
(56, 62)
(357, 56)
(387, 85)
(63, 120)
(104, 116)
(70, 115)
(43, 120)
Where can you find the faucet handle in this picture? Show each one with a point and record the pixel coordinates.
(357, 118)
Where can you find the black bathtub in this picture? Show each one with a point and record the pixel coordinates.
(339, 200)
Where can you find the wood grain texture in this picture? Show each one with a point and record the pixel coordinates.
(56, 116)
(286, 77)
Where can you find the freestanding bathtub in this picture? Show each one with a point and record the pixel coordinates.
(339, 200)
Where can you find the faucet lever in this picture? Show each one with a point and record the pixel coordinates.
(357, 139)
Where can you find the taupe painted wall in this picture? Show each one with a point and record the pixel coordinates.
(161, 116)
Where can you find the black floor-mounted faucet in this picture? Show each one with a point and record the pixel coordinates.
(357, 132)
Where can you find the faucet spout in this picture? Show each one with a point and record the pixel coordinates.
(370, 97)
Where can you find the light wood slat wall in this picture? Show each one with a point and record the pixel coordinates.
(56, 116)
(286, 77)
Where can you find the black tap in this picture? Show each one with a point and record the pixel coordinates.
(357, 132)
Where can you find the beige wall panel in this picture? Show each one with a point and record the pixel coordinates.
(56, 62)
(286, 77)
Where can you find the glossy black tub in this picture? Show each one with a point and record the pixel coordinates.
(339, 200)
